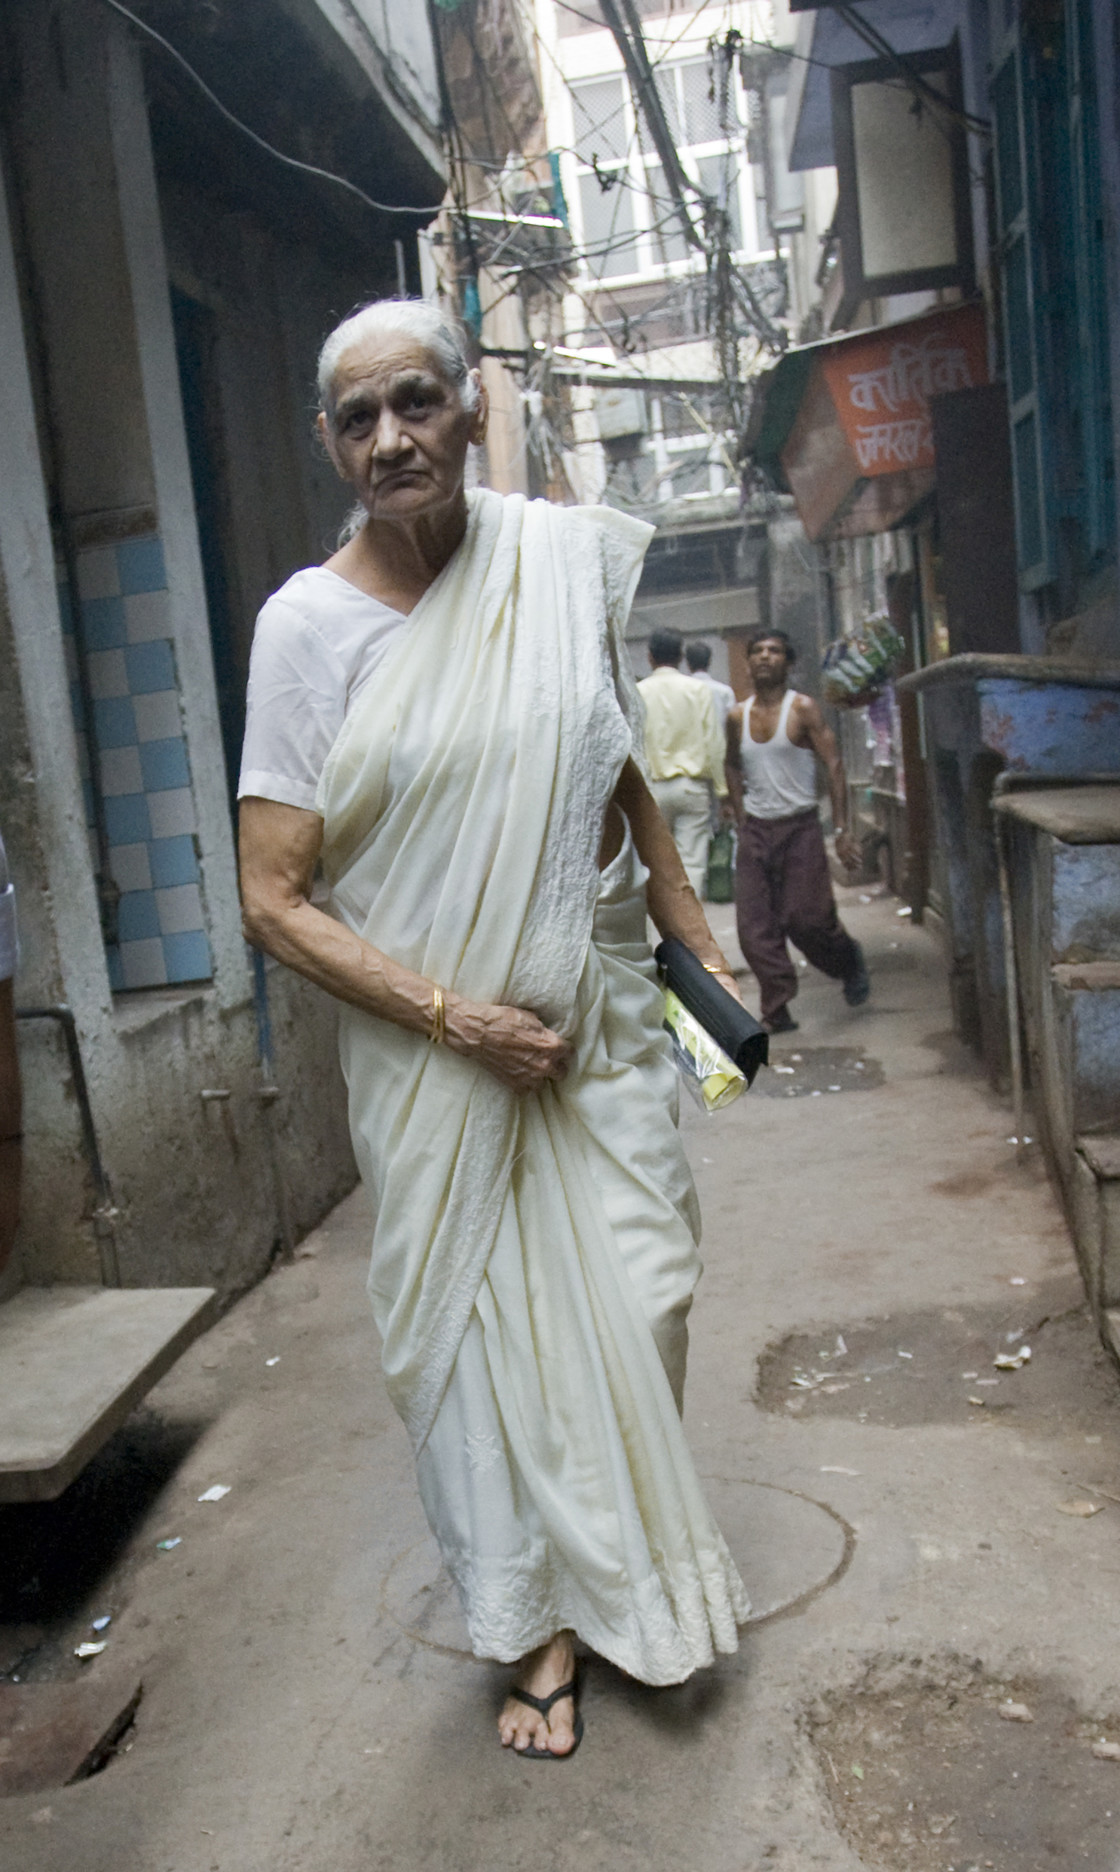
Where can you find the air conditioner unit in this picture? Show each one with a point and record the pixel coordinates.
(621, 413)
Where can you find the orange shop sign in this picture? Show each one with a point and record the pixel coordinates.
(881, 385)
(858, 455)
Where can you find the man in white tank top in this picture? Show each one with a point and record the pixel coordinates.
(782, 885)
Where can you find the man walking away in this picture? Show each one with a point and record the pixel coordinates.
(684, 752)
(698, 656)
(782, 885)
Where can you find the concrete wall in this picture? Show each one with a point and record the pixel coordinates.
(205, 1188)
(794, 596)
(268, 308)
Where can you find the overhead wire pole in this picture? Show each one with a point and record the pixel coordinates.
(727, 284)
(626, 30)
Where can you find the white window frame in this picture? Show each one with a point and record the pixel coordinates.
(634, 169)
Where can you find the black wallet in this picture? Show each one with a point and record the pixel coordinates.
(731, 1027)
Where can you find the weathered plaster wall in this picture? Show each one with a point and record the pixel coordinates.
(57, 97)
(202, 1187)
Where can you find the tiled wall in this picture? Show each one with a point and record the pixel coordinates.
(142, 761)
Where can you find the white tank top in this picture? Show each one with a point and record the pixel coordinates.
(778, 778)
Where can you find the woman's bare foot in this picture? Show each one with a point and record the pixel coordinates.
(542, 1672)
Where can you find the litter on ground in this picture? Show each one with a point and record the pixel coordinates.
(215, 1492)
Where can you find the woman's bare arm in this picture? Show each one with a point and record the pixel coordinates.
(672, 902)
(280, 846)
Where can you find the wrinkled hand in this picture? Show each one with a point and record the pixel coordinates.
(731, 985)
(520, 1051)
(848, 851)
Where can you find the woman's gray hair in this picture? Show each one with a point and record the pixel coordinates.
(418, 319)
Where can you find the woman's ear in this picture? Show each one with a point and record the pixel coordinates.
(480, 415)
(326, 437)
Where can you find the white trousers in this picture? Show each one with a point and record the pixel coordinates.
(686, 809)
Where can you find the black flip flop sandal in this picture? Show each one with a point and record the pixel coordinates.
(544, 1705)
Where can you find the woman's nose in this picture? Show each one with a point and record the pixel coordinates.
(388, 435)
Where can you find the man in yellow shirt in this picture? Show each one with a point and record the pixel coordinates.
(684, 752)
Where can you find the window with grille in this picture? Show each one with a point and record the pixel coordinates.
(630, 222)
(1052, 278)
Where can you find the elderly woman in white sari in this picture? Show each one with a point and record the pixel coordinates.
(443, 714)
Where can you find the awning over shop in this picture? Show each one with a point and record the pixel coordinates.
(845, 427)
(826, 39)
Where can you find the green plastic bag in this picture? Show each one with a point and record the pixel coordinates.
(721, 868)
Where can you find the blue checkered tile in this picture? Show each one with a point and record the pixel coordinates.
(114, 723)
(140, 566)
(172, 861)
(142, 763)
(150, 667)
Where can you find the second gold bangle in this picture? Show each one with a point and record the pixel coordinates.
(439, 1018)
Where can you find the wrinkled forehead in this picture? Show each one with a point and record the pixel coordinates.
(379, 363)
(773, 644)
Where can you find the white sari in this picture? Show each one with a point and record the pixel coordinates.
(533, 1257)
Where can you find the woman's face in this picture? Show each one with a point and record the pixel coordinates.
(398, 432)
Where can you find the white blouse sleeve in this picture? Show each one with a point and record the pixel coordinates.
(295, 708)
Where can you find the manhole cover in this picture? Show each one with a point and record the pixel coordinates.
(930, 1778)
(817, 1072)
(787, 1547)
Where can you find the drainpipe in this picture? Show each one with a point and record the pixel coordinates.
(268, 1093)
(1011, 982)
(106, 1212)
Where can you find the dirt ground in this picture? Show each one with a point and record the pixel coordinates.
(929, 1775)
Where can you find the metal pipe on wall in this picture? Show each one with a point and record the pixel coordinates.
(106, 1211)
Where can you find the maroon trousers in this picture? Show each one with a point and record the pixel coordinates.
(782, 888)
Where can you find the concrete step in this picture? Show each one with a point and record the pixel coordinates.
(74, 1361)
(1096, 1226)
(1086, 1002)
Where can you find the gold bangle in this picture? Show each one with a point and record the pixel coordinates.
(715, 968)
(439, 1018)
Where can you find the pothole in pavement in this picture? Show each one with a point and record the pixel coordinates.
(940, 1367)
(814, 1072)
(924, 1775)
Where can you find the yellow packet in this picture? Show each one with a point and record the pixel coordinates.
(713, 1079)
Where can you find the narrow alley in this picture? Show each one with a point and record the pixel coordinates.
(524, 525)
(900, 1509)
